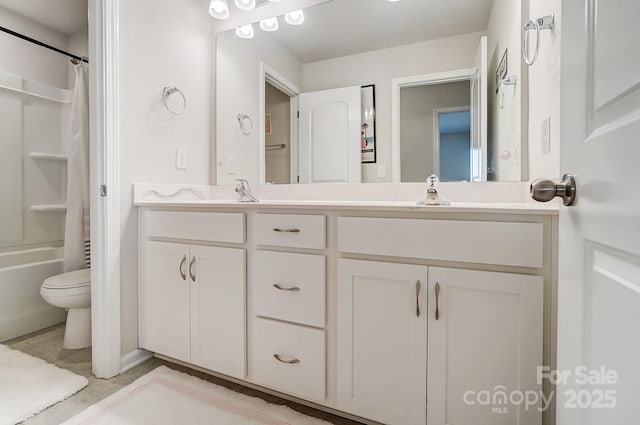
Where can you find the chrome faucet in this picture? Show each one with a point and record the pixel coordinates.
(433, 197)
(244, 191)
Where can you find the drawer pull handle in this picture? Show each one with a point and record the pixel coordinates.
(418, 298)
(283, 288)
(281, 360)
(192, 274)
(286, 230)
(437, 300)
(183, 274)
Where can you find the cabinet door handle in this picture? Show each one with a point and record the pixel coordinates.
(192, 274)
(418, 284)
(183, 274)
(437, 300)
(286, 230)
(281, 360)
(289, 289)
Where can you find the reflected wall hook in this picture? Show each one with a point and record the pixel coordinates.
(544, 23)
(167, 92)
(242, 118)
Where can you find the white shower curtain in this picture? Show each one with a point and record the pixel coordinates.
(77, 150)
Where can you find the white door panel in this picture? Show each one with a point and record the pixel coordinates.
(330, 136)
(479, 115)
(599, 275)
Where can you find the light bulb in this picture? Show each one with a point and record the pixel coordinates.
(269, 24)
(245, 31)
(219, 9)
(245, 4)
(294, 18)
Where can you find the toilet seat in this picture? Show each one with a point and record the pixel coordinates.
(71, 283)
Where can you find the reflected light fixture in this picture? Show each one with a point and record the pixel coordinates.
(269, 24)
(219, 9)
(294, 18)
(245, 4)
(245, 31)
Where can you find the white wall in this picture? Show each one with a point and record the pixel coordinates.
(161, 43)
(544, 94)
(238, 87)
(504, 130)
(29, 125)
(380, 67)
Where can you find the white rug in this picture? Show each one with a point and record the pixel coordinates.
(29, 385)
(167, 397)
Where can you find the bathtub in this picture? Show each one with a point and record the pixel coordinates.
(22, 309)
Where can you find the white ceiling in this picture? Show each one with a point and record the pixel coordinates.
(65, 16)
(346, 27)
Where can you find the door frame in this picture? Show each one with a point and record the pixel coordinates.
(104, 173)
(464, 74)
(436, 131)
(279, 81)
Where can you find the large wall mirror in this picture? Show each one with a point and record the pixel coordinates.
(374, 91)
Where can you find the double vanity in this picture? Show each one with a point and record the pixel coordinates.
(374, 309)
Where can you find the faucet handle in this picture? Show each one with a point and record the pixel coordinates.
(244, 184)
(433, 198)
(432, 183)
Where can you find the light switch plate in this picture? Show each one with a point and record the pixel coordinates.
(181, 159)
(546, 135)
(382, 171)
(230, 166)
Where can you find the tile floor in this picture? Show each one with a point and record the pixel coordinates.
(47, 345)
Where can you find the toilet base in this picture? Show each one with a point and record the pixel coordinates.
(77, 333)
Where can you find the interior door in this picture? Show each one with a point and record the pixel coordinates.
(479, 115)
(329, 144)
(599, 276)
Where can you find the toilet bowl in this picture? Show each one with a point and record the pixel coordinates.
(72, 291)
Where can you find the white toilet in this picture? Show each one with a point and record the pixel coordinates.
(72, 291)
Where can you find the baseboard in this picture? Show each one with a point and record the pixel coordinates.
(133, 359)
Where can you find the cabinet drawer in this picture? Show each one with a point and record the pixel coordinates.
(300, 292)
(300, 369)
(484, 242)
(202, 226)
(291, 230)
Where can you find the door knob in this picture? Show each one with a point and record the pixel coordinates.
(544, 190)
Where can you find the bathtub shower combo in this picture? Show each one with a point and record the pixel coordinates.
(43, 127)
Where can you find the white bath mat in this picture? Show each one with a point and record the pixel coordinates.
(167, 397)
(29, 385)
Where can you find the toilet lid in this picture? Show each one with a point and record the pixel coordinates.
(75, 279)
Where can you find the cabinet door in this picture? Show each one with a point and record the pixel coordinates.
(164, 300)
(382, 341)
(486, 338)
(218, 309)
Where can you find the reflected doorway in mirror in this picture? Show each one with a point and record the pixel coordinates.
(368, 127)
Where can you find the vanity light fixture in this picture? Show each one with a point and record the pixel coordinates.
(269, 24)
(219, 9)
(245, 4)
(294, 18)
(245, 31)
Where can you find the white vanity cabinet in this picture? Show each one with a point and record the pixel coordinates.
(192, 297)
(485, 332)
(382, 341)
(414, 339)
(288, 313)
(397, 316)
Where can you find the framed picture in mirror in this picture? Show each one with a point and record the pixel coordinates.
(368, 126)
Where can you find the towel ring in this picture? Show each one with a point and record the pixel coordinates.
(166, 93)
(241, 120)
(544, 23)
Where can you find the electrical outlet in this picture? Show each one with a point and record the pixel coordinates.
(181, 159)
(546, 135)
(382, 171)
(230, 167)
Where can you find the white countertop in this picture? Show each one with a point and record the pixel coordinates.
(388, 197)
